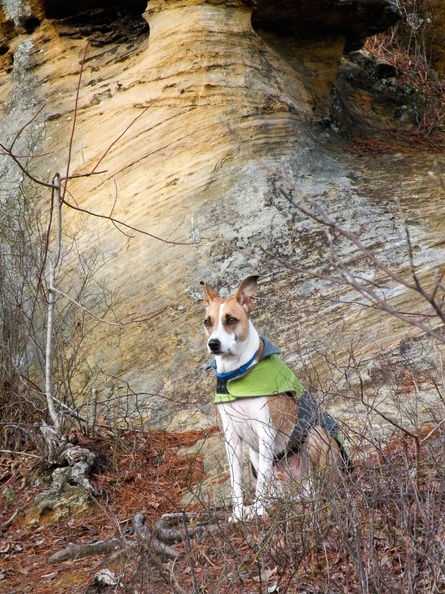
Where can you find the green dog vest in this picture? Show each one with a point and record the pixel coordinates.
(268, 377)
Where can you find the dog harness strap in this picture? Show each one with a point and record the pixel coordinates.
(221, 386)
(307, 417)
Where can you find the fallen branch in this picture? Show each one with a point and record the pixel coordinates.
(142, 532)
(153, 547)
(78, 551)
(174, 527)
(20, 454)
(171, 528)
(6, 524)
(146, 537)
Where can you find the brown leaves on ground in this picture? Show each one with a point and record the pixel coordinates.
(136, 471)
(382, 531)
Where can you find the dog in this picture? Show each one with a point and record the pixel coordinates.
(263, 404)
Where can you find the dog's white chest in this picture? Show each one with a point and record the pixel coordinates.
(248, 419)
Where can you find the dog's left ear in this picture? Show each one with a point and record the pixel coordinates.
(246, 291)
(209, 292)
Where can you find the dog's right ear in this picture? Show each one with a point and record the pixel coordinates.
(245, 294)
(209, 292)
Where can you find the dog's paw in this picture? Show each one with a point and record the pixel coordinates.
(238, 514)
(245, 513)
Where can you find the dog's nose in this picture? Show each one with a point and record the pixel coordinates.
(214, 345)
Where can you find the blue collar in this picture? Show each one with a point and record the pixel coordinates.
(236, 372)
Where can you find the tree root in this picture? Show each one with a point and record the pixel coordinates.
(170, 528)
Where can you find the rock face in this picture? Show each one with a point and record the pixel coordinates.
(198, 134)
(371, 98)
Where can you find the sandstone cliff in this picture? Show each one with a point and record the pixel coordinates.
(199, 126)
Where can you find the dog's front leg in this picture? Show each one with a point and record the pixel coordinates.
(234, 449)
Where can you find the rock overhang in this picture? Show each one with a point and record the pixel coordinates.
(354, 19)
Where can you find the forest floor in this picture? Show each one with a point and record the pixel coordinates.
(384, 530)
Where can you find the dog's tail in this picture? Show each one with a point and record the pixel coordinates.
(328, 423)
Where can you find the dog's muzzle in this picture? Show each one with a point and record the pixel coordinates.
(214, 345)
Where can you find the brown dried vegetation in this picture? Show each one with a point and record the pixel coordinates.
(383, 531)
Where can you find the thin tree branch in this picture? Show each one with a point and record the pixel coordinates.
(117, 139)
(28, 123)
(24, 170)
(126, 225)
(380, 303)
(315, 212)
(73, 127)
(142, 318)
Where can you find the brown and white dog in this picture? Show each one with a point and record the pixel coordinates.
(269, 424)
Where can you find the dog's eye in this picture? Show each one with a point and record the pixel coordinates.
(231, 321)
(207, 322)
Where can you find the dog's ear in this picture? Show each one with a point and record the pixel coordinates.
(246, 291)
(209, 292)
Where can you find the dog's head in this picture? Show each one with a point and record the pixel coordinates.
(227, 320)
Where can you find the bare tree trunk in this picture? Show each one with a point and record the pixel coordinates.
(55, 417)
(53, 265)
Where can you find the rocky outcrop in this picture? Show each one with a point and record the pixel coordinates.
(370, 98)
(311, 36)
(198, 132)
